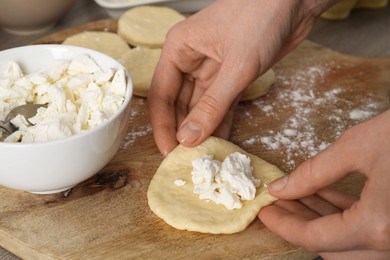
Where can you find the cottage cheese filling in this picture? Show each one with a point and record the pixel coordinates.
(80, 96)
(227, 183)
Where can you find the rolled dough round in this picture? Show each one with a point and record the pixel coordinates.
(260, 86)
(147, 25)
(140, 63)
(181, 208)
(109, 43)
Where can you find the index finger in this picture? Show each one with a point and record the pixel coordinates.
(163, 92)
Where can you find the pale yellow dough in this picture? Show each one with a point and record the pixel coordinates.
(140, 63)
(147, 26)
(260, 86)
(181, 208)
(109, 43)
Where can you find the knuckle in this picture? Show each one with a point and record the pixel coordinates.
(380, 235)
(305, 174)
(313, 239)
(175, 39)
(175, 31)
(208, 105)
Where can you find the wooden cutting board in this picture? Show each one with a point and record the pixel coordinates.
(318, 94)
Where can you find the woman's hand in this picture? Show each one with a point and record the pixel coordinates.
(212, 56)
(330, 222)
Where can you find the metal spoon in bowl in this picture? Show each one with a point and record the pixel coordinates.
(26, 110)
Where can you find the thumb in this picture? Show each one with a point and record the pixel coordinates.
(327, 167)
(208, 115)
(214, 109)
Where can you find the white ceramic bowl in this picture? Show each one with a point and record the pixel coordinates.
(59, 165)
(116, 8)
(25, 17)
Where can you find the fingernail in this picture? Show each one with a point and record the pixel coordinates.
(278, 184)
(189, 133)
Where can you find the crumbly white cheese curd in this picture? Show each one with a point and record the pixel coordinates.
(228, 183)
(179, 182)
(80, 96)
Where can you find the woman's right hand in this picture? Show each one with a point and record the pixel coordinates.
(211, 57)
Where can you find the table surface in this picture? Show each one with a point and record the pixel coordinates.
(365, 33)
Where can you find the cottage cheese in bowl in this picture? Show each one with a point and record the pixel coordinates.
(88, 97)
(78, 93)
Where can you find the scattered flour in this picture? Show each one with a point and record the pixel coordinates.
(133, 135)
(300, 97)
(358, 114)
(302, 100)
(136, 131)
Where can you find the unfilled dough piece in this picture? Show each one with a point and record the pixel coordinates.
(109, 43)
(181, 208)
(260, 86)
(147, 25)
(141, 62)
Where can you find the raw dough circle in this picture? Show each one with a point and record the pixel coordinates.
(140, 62)
(147, 25)
(109, 43)
(181, 208)
(259, 87)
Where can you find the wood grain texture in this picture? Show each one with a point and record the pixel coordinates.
(107, 216)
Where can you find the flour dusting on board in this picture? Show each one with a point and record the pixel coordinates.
(136, 131)
(301, 98)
